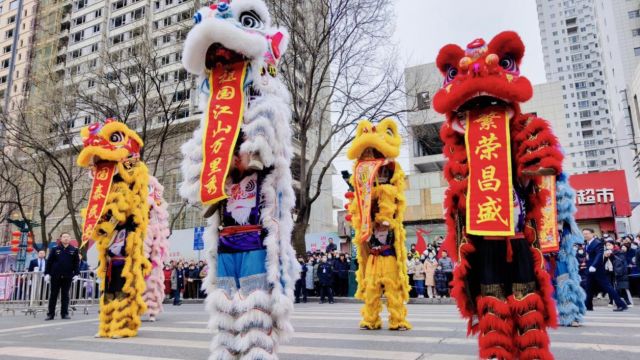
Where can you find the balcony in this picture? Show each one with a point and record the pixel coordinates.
(429, 163)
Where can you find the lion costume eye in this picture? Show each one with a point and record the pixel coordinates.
(451, 73)
(251, 20)
(390, 132)
(508, 63)
(116, 137)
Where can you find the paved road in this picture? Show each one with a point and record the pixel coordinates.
(322, 332)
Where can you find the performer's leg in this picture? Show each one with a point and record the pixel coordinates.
(386, 197)
(220, 303)
(527, 306)
(393, 292)
(373, 291)
(495, 324)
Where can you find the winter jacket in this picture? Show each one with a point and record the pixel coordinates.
(447, 264)
(341, 269)
(620, 269)
(418, 270)
(430, 271)
(177, 279)
(325, 274)
(442, 286)
(309, 276)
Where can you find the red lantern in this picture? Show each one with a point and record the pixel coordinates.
(348, 218)
(349, 195)
(15, 249)
(29, 249)
(15, 242)
(16, 234)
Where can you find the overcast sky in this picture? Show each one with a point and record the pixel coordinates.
(424, 26)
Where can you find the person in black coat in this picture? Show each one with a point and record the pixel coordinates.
(596, 273)
(62, 267)
(301, 289)
(325, 277)
(341, 275)
(331, 247)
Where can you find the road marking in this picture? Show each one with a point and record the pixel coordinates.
(49, 324)
(290, 350)
(60, 354)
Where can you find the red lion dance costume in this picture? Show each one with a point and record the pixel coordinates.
(498, 159)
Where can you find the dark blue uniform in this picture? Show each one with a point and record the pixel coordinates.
(595, 253)
(325, 275)
(62, 265)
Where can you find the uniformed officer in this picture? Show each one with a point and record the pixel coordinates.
(61, 268)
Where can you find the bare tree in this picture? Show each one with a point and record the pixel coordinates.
(340, 68)
(37, 162)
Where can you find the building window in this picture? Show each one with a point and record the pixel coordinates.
(636, 51)
(80, 4)
(424, 100)
(634, 14)
(4, 64)
(98, 13)
(13, 5)
(119, 4)
(6, 49)
(8, 34)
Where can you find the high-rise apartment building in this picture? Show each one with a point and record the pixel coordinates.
(17, 19)
(84, 44)
(592, 48)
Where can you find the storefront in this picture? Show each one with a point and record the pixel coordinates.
(602, 199)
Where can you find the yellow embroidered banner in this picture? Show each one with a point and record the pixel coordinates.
(548, 229)
(224, 119)
(365, 174)
(490, 191)
(102, 179)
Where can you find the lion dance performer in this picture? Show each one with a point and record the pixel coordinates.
(376, 211)
(499, 204)
(156, 248)
(237, 165)
(563, 264)
(116, 219)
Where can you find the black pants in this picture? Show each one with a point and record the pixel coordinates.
(300, 290)
(59, 285)
(601, 280)
(325, 290)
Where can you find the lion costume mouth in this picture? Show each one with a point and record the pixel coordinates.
(483, 100)
(218, 54)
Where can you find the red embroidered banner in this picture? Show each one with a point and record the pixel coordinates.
(549, 237)
(364, 176)
(224, 118)
(102, 179)
(490, 191)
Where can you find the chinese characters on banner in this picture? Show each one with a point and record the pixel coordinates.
(364, 176)
(549, 236)
(102, 179)
(490, 191)
(224, 118)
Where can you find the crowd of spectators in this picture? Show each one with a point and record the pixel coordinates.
(621, 263)
(183, 279)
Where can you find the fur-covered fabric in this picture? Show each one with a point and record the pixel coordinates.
(156, 247)
(569, 294)
(376, 273)
(126, 204)
(484, 75)
(267, 132)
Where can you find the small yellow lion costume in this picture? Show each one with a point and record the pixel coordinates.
(376, 213)
(116, 220)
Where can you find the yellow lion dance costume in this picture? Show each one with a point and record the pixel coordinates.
(376, 212)
(116, 219)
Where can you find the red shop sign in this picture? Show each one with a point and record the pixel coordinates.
(598, 194)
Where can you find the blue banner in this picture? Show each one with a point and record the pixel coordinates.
(198, 241)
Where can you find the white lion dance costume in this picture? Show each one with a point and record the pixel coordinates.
(156, 248)
(238, 165)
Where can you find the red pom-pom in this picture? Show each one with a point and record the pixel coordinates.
(348, 218)
(349, 195)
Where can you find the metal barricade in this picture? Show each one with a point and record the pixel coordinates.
(28, 292)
